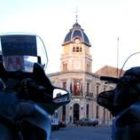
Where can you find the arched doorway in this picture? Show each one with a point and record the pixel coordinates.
(76, 112)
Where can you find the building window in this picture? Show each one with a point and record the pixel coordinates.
(74, 50)
(64, 85)
(97, 106)
(87, 111)
(77, 49)
(87, 87)
(97, 111)
(88, 67)
(77, 89)
(97, 89)
(64, 113)
(80, 49)
(65, 67)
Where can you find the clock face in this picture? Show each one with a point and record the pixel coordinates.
(77, 40)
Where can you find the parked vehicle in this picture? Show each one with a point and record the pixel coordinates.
(55, 121)
(27, 97)
(87, 122)
(62, 124)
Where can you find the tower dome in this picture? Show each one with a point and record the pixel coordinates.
(76, 32)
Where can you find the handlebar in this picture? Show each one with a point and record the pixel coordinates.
(30, 83)
(38, 92)
(110, 79)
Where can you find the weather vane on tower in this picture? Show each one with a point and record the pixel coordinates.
(76, 14)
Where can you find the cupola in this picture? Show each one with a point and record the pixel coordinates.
(76, 32)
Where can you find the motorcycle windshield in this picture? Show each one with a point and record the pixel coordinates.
(133, 60)
(21, 51)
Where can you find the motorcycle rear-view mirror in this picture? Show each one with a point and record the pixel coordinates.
(61, 96)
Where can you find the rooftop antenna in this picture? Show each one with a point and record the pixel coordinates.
(117, 57)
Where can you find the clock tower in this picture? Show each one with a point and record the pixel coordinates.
(76, 51)
(76, 76)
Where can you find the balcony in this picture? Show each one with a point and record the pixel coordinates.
(89, 96)
(79, 96)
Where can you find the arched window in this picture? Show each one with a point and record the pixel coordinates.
(80, 49)
(65, 67)
(77, 88)
(64, 85)
(74, 50)
(77, 49)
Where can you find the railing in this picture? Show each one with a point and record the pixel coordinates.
(89, 95)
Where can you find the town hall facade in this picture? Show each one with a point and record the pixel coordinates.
(77, 77)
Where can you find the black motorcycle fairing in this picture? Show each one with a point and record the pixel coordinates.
(40, 76)
(134, 71)
(28, 130)
(38, 88)
(7, 133)
(22, 119)
(126, 92)
(126, 125)
(31, 86)
(38, 123)
(129, 115)
(34, 86)
(3, 73)
(124, 96)
(106, 99)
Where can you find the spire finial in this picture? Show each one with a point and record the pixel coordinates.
(76, 14)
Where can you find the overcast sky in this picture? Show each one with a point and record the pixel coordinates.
(102, 20)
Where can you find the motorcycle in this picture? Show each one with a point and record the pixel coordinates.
(124, 102)
(27, 96)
